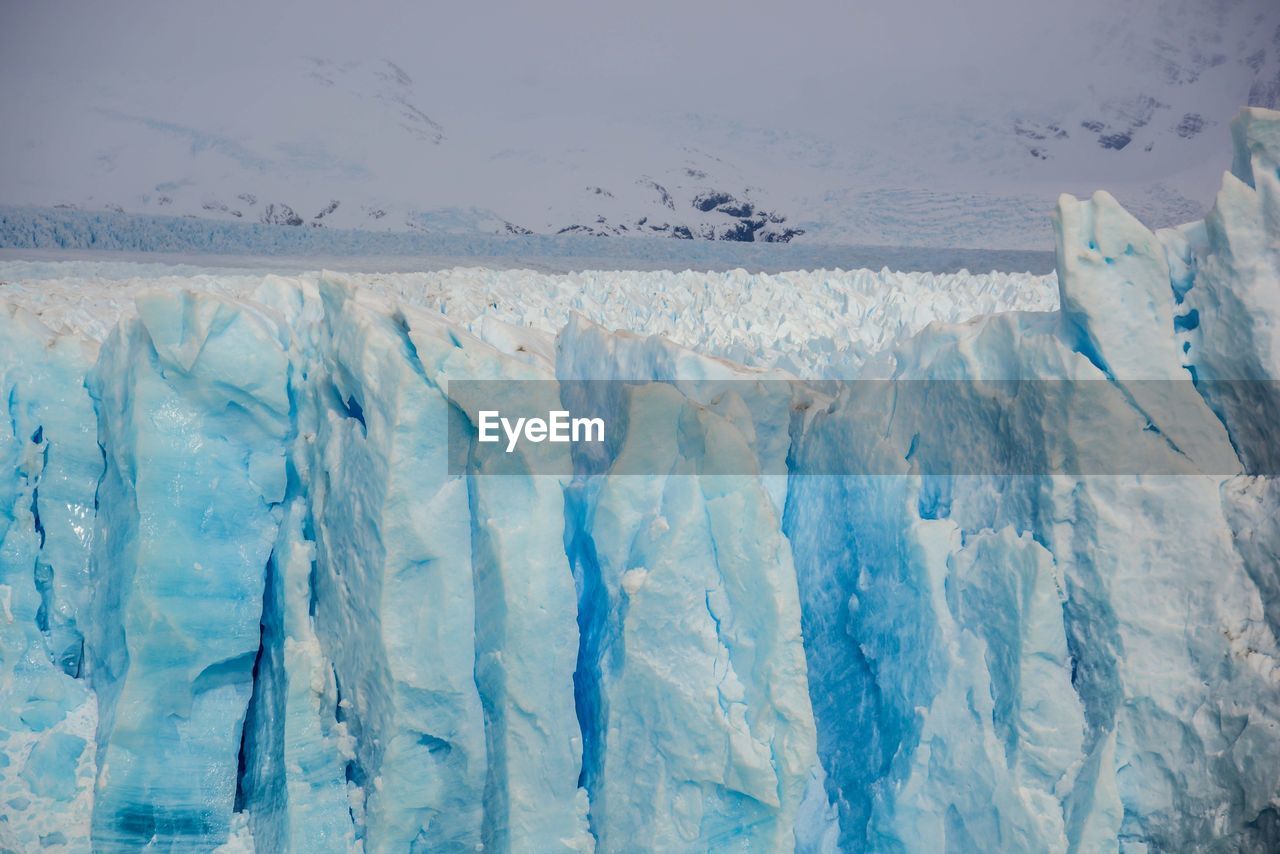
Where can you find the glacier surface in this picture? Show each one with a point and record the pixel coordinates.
(248, 602)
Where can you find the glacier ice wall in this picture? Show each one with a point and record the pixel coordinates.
(1060, 663)
(194, 414)
(248, 604)
(52, 463)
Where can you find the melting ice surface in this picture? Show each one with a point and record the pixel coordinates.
(244, 605)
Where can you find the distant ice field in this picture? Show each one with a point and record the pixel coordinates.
(34, 232)
(814, 324)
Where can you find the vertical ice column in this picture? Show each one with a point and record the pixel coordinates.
(394, 605)
(49, 469)
(1233, 292)
(1207, 683)
(941, 682)
(294, 760)
(692, 679)
(444, 601)
(414, 687)
(526, 632)
(193, 416)
(982, 662)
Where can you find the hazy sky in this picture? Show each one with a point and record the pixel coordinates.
(811, 100)
(799, 61)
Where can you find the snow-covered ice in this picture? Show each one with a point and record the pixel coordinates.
(821, 323)
(248, 601)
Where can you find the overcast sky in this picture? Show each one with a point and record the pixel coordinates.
(800, 61)
(885, 93)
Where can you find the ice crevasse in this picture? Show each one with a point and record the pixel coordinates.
(245, 604)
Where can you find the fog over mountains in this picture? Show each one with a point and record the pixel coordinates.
(912, 124)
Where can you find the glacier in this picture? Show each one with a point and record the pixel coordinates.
(253, 598)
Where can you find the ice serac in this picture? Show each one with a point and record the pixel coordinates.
(1116, 685)
(194, 415)
(1107, 515)
(1231, 286)
(1117, 311)
(415, 684)
(525, 631)
(1231, 290)
(51, 463)
(393, 596)
(691, 625)
(1256, 152)
(957, 725)
(293, 788)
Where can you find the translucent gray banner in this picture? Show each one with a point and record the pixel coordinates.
(865, 427)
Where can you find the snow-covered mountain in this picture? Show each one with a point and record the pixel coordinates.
(962, 136)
